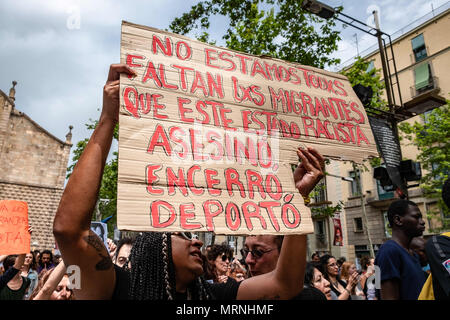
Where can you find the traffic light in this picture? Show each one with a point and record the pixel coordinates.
(409, 171)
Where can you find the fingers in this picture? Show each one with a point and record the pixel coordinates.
(319, 157)
(305, 161)
(313, 160)
(116, 69)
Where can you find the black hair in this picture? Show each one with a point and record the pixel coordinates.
(217, 249)
(9, 261)
(446, 193)
(341, 260)
(315, 254)
(152, 275)
(324, 263)
(47, 252)
(123, 241)
(309, 274)
(279, 242)
(365, 262)
(398, 207)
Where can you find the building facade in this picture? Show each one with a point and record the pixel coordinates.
(33, 166)
(422, 57)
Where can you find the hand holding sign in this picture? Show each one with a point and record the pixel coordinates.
(15, 233)
(310, 170)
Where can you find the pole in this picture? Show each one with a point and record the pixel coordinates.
(383, 61)
(363, 208)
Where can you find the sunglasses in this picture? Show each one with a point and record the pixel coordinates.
(256, 254)
(187, 235)
(225, 258)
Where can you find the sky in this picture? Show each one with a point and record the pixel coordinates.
(59, 51)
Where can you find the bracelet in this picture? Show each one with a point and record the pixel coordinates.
(306, 200)
(348, 291)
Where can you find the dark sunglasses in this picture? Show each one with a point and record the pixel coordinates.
(257, 253)
(187, 235)
(225, 257)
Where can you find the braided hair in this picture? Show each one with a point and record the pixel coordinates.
(152, 274)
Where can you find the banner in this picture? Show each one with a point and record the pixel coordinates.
(338, 235)
(207, 135)
(14, 235)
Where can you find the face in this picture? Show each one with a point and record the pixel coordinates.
(351, 269)
(332, 267)
(123, 255)
(187, 258)
(239, 277)
(46, 258)
(319, 282)
(412, 222)
(62, 292)
(28, 259)
(266, 246)
(222, 263)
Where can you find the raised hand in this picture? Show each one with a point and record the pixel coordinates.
(310, 170)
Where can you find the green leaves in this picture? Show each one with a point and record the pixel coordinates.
(432, 139)
(358, 74)
(277, 28)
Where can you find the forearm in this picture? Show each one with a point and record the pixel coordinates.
(52, 282)
(80, 195)
(19, 261)
(290, 270)
(7, 276)
(3, 257)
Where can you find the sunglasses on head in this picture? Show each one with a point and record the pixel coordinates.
(257, 253)
(187, 235)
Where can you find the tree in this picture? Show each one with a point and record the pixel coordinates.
(432, 139)
(358, 73)
(283, 30)
(108, 187)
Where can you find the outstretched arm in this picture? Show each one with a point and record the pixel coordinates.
(286, 281)
(52, 282)
(78, 245)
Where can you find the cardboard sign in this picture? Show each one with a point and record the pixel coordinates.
(208, 136)
(14, 235)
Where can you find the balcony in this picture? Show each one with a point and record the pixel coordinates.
(380, 198)
(431, 85)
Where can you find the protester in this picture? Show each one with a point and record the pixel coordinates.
(402, 277)
(28, 270)
(339, 262)
(219, 258)
(315, 279)
(54, 285)
(339, 289)
(46, 261)
(315, 257)
(349, 268)
(366, 280)
(123, 251)
(164, 265)
(16, 287)
(237, 271)
(437, 248)
(417, 246)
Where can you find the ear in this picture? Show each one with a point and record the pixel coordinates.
(398, 221)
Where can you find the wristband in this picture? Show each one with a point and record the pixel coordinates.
(348, 291)
(306, 200)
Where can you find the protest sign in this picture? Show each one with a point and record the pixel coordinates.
(208, 136)
(101, 229)
(14, 235)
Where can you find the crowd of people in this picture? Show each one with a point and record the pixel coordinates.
(176, 266)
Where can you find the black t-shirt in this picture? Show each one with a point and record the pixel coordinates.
(310, 293)
(219, 291)
(335, 290)
(224, 291)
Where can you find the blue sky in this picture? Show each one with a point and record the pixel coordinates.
(59, 51)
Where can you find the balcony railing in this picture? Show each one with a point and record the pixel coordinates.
(432, 84)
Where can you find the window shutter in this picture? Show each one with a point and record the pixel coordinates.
(422, 75)
(417, 42)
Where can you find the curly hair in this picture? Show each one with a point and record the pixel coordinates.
(152, 275)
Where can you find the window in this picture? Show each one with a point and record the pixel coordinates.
(356, 183)
(422, 76)
(320, 227)
(387, 226)
(418, 47)
(320, 192)
(370, 67)
(358, 224)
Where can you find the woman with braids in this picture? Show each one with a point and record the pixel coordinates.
(163, 265)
